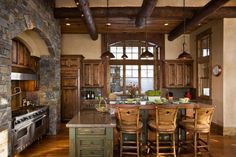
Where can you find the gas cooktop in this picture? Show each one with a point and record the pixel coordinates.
(25, 110)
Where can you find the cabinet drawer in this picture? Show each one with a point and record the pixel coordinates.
(92, 153)
(91, 131)
(93, 142)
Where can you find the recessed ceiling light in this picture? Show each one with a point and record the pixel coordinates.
(67, 18)
(108, 23)
(77, 3)
(166, 24)
(199, 24)
(68, 24)
(82, 15)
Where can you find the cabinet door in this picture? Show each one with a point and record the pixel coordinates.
(188, 74)
(69, 81)
(21, 54)
(97, 75)
(170, 74)
(69, 104)
(93, 73)
(14, 56)
(88, 74)
(179, 74)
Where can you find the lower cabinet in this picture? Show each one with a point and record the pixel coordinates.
(91, 142)
(69, 105)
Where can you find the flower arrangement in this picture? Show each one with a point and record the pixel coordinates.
(132, 88)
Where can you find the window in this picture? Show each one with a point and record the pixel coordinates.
(133, 70)
(121, 76)
(204, 64)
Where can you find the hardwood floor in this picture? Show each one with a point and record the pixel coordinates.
(58, 146)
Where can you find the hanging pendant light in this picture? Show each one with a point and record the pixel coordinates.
(107, 53)
(124, 56)
(146, 53)
(184, 54)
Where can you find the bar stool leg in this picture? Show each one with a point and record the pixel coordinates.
(157, 143)
(173, 142)
(137, 143)
(121, 144)
(195, 144)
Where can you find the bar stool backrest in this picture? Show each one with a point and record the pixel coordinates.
(166, 116)
(203, 116)
(128, 116)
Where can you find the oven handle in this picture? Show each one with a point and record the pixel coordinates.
(41, 117)
(25, 126)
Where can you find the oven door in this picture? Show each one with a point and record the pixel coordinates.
(21, 137)
(39, 126)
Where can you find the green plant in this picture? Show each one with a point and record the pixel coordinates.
(153, 93)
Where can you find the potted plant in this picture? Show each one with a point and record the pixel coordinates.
(153, 95)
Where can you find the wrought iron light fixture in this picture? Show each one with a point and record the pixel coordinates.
(146, 53)
(107, 53)
(124, 56)
(184, 54)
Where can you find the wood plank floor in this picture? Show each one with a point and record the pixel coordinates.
(58, 146)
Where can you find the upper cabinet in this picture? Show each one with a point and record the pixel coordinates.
(178, 73)
(93, 73)
(21, 57)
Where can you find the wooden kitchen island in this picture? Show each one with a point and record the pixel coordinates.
(91, 134)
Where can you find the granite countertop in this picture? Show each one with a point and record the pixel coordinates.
(92, 118)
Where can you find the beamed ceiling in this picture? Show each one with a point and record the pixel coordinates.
(91, 16)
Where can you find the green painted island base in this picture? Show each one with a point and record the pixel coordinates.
(91, 142)
(91, 134)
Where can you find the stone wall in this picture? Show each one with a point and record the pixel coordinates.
(17, 16)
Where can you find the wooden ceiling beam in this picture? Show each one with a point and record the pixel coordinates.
(145, 12)
(199, 16)
(84, 6)
(131, 12)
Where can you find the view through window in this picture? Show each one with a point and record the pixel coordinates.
(133, 70)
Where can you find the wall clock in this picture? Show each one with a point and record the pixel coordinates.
(216, 70)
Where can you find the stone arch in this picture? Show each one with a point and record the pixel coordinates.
(36, 41)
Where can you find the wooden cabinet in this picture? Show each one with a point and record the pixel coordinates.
(20, 54)
(178, 73)
(70, 85)
(88, 142)
(23, 62)
(93, 73)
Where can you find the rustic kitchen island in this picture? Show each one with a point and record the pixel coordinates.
(91, 134)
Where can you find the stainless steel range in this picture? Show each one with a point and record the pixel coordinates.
(28, 124)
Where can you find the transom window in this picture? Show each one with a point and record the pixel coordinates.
(132, 49)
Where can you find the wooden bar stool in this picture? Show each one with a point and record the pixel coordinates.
(200, 125)
(129, 123)
(165, 125)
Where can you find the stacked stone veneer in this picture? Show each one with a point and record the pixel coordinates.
(17, 16)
